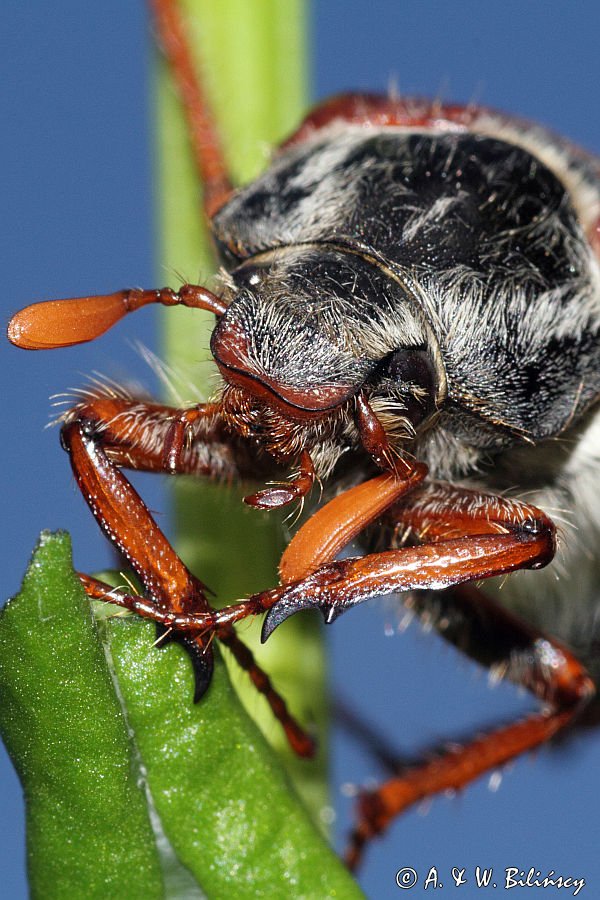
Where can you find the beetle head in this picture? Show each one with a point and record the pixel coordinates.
(306, 330)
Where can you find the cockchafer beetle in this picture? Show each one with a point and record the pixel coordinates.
(411, 286)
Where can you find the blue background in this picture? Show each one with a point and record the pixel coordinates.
(76, 218)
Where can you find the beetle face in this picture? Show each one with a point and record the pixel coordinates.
(305, 331)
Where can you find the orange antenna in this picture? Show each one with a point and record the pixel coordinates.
(63, 323)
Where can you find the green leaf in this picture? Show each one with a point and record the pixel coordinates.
(131, 789)
(88, 828)
(226, 805)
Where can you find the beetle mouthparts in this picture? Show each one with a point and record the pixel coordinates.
(232, 353)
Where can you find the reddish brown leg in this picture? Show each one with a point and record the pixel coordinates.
(134, 433)
(125, 519)
(466, 536)
(107, 432)
(495, 637)
(206, 145)
(300, 742)
(179, 437)
(148, 609)
(373, 437)
(535, 661)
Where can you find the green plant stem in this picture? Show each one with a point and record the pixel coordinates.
(252, 59)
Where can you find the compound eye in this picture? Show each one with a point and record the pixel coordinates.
(413, 369)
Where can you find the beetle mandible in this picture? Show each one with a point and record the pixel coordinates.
(423, 288)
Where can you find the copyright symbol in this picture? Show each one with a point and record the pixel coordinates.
(406, 878)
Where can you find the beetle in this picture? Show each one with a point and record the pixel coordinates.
(419, 363)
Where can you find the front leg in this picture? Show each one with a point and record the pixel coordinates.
(465, 536)
(108, 432)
